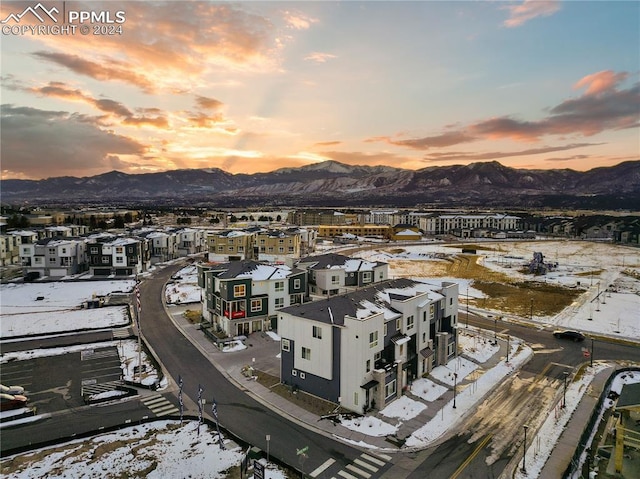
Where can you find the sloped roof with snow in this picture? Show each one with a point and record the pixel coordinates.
(253, 269)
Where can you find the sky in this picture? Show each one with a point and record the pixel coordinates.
(256, 86)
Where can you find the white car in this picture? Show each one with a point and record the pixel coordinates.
(11, 389)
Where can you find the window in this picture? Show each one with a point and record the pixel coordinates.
(230, 241)
(366, 277)
(93, 250)
(317, 332)
(306, 353)
(398, 324)
(302, 375)
(386, 329)
(409, 322)
(355, 398)
(119, 249)
(373, 339)
(105, 260)
(286, 346)
(52, 260)
(335, 279)
(279, 286)
(270, 249)
(294, 372)
(231, 248)
(291, 250)
(64, 250)
(256, 305)
(296, 284)
(368, 367)
(451, 301)
(281, 250)
(390, 389)
(424, 316)
(431, 310)
(239, 290)
(279, 303)
(220, 248)
(240, 249)
(119, 260)
(280, 241)
(424, 337)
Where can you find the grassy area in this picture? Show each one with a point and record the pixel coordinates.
(193, 316)
(306, 401)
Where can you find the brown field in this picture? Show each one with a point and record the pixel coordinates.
(503, 292)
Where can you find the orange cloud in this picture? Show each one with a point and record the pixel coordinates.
(528, 10)
(600, 82)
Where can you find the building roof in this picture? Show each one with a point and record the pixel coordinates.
(338, 261)
(253, 269)
(364, 303)
(629, 397)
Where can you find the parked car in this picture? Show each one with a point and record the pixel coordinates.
(569, 334)
(12, 401)
(11, 389)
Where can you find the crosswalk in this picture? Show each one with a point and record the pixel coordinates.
(159, 405)
(121, 333)
(91, 354)
(90, 387)
(364, 466)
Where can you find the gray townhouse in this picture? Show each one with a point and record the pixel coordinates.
(361, 349)
(331, 273)
(242, 297)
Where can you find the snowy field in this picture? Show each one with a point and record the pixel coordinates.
(48, 308)
(183, 288)
(608, 275)
(162, 449)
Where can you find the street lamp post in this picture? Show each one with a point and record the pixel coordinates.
(591, 355)
(524, 452)
(455, 387)
(564, 393)
(495, 330)
(508, 337)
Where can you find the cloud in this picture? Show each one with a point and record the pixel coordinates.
(493, 155)
(298, 21)
(327, 143)
(105, 71)
(42, 143)
(600, 82)
(319, 57)
(147, 116)
(528, 10)
(208, 103)
(603, 107)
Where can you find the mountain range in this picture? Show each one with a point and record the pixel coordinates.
(331, 183)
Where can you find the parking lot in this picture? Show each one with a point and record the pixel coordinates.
(56, 383)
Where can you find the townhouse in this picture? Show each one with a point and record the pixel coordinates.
(191, 241)
(276, 246)
(117, 256)
(54, 257)
(242, 297)
(362, 349)
(163, 245)
(331, 274)
(9, 250)
(231, 245)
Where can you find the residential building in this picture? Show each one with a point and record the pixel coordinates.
(231, 245)
(118, 256)
(463, 225)
(163, 246)
(380, 217)
(316, 217)
(331, 274)
(191, 241)
(242, 297)
(362, 349)
(54, 257)
(276, 246)
(371, 231)
(9, 250)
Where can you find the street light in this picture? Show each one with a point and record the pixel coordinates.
(524, 452)
(591, 355)
(508, 337)
(495, 330)
(455, 387)
(564, 394)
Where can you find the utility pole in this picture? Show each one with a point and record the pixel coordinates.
(524, 452)
(564, 394)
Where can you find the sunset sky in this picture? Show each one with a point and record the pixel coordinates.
(255, 86)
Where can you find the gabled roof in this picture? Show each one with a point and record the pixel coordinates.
(363, 303)
(629, 397)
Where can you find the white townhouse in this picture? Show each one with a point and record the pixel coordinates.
(163, 246)
(191, 241)
(361, 349)
(54, 257)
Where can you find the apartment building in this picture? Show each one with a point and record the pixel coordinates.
(331, 274)
(242, 297)
(361, 349)
(276, 246)
(372, 231)
(231, 245)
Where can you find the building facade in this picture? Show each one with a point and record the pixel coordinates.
(118, 256)
(362, 349)
(242, 297)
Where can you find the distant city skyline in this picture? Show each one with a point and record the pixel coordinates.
(256, 86)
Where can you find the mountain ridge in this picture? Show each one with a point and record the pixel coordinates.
(332, 183)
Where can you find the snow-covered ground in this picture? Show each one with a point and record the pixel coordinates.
(162, 449)
(48, 308)
(184, 287)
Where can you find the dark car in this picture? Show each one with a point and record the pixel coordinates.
(569, 334)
